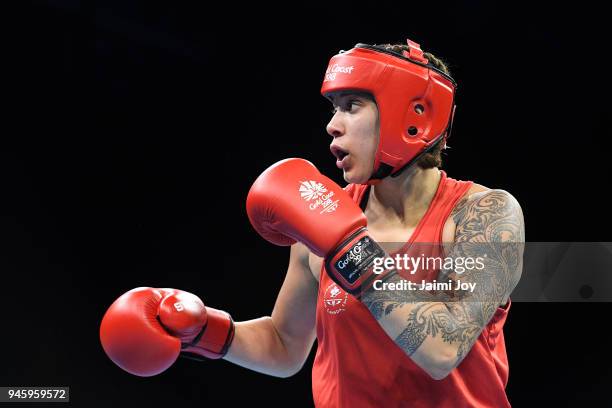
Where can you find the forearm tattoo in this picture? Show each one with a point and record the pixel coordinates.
(489, 225)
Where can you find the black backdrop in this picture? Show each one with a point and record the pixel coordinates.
(134, 131)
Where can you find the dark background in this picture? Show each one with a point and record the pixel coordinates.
(133, 132)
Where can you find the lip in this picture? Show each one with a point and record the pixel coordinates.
(341, 155)
(338, 152)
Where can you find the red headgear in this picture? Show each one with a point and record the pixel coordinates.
(416, 101)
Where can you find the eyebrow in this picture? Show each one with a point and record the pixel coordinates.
(343, 94)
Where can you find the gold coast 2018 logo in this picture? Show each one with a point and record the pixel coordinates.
(316, 193)
(332, 71)
(334, 299)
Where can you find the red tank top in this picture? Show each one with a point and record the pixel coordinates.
(358, 365)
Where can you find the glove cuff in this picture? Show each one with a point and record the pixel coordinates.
(351, 264)
(214, 339)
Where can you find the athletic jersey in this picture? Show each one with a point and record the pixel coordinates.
(358, 365)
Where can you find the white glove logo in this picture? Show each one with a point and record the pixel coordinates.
(315, 191)
(310, 190)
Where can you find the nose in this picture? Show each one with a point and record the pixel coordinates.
(335, 128)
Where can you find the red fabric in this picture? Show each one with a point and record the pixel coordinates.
(358, 365)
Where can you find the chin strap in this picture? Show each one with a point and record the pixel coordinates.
(384, 170)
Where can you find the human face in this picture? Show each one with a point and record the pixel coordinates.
(354, 128)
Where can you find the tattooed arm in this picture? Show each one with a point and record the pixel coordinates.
(438, 332)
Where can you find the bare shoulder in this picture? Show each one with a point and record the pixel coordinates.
(483, 208)
(476, 188)
(477, 191)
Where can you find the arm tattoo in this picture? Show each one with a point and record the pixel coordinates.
(490, 227)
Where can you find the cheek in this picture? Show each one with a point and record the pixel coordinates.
(369, 143)
(373, 143)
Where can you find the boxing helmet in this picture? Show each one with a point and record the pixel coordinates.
(416, 100)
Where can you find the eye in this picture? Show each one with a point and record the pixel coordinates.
(347, 105)
(350, 105)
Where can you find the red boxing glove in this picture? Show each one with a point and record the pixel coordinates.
(291, 201)
(146, 329)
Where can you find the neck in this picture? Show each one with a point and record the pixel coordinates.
(404, 198)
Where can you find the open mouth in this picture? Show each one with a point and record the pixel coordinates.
(340, 155)
(338, 152)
